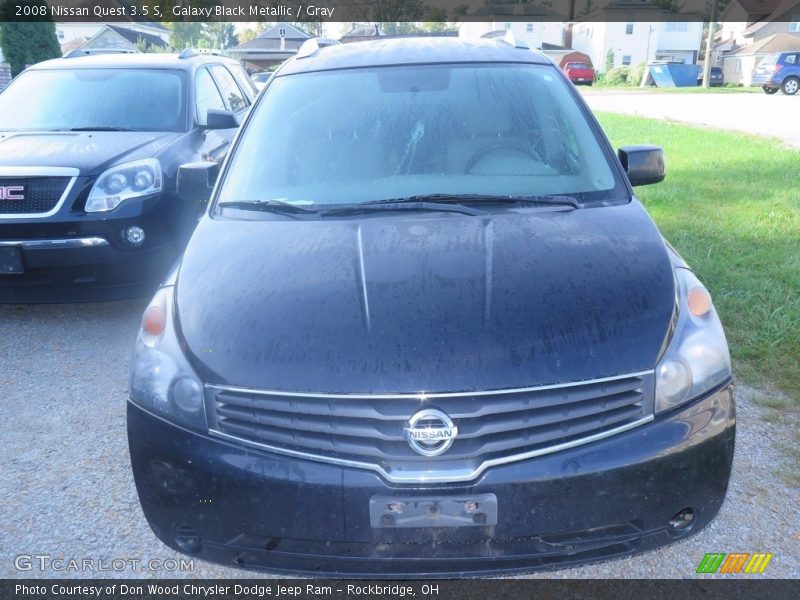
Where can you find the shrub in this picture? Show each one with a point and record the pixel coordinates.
(618, 75)
(636, 74)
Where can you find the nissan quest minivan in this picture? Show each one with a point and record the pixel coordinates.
(425, 328)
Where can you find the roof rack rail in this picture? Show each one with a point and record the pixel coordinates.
(192, 52)
(78, 52)
(314, 45)
(510, 39)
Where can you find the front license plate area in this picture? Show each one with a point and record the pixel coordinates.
(391, 512)
(11, 260)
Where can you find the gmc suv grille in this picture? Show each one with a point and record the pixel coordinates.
(40, 194)
(493, 427)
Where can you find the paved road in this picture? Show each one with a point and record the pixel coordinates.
(66, 488)
(777, 116)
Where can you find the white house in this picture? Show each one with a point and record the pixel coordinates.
(533, 33)
(72, 32)
(650, 33)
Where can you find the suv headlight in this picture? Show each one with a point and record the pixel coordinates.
(123, 182)
(697, 357)
(162, 381)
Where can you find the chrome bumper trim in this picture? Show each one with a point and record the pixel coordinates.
(57, 244)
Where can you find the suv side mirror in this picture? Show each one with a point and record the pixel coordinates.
(643, 164)
(220, 119)
(196, 180)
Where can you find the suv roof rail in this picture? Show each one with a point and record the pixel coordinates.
(509, 38)
(192, 52)
(89, 51)
(314, 45)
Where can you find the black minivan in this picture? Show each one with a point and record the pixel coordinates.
(426, 329)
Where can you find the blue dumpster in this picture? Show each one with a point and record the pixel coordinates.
(673, 74)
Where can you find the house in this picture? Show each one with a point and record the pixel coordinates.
(366, 32)
(749, 33)
(637, 33)
(532, 24)
(83, 31)
(277, 44)
(116, 38)
(738, 65)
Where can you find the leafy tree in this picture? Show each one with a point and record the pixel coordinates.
(29, 42)
(221, 35)
(186, 35)
(610, 60)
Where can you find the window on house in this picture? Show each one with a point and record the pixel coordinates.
(282, 32)
(626, 59)
(629, 29)
(738, 66)
(677, 26)
(529, 28)
(507, 26)
(794, 26)
(60, 34)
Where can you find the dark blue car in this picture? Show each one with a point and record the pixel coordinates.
(779, 71)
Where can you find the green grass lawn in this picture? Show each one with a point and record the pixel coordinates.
(731, 206)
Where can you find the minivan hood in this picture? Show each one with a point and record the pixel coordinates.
(406, 304)
(91, 152)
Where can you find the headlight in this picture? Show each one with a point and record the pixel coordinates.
(120, 183)
(162, 381)
(697, 357)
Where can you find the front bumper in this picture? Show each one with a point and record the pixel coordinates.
(237, 506)
(88, 259)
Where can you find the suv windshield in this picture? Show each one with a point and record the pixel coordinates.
(360, 135)
(101, 99)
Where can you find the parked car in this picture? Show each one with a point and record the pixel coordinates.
(716, 77)
(778, 71)
(426, 328)
(89, 153)
(579, 72)
(260, 79)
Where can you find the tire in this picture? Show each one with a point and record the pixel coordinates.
(790, 86)
(769, 91)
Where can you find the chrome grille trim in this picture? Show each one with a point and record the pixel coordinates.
(41, 172)
(430, 471)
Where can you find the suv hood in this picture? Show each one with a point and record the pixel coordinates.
(411, 304)
(90, 152)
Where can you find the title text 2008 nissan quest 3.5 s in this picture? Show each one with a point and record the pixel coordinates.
(425, 328)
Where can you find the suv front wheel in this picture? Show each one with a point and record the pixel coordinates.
(790, 86)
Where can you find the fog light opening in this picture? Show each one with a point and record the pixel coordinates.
(135, 235)
(682, 522)
(187, 538)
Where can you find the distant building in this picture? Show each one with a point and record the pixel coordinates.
(67, 33)
(277, 44)
(529, 23)
(750, 30)
(650, 33)
(118, 38)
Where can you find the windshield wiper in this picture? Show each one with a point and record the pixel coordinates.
(402, 204)
(274, 206)
(552, 200)
(101, 128)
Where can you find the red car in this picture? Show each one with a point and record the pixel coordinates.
(579, 72)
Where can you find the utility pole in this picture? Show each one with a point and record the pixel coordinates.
(712, 20)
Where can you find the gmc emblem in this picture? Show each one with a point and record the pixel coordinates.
(12, 192)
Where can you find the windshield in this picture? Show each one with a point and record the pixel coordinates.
(364, 135)
(128, 99)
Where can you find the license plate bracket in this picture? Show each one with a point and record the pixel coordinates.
(11, 260)
(392, 512)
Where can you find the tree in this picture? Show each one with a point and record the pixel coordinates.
(221, 35)
(186, 35)
(27, 43)
(609, 60)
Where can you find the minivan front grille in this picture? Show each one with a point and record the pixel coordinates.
(31, 195)
(493, 427)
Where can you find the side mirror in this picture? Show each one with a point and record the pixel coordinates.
(196, 180)
(643, 164)
(220, 119)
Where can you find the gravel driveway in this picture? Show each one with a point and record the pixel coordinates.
(67, 489)
(754, 113)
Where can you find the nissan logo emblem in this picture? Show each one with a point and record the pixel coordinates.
(430, 432)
